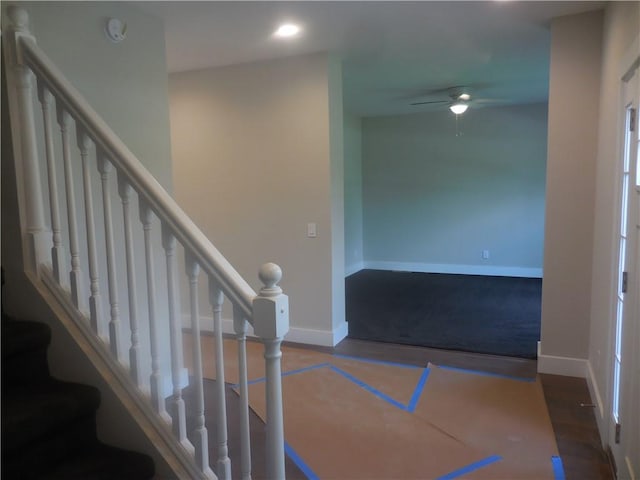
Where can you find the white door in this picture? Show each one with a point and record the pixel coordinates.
(625, 394)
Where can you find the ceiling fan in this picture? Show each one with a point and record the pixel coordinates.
(459, 98)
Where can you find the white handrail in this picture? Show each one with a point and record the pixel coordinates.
(165, 207)
(266, 311)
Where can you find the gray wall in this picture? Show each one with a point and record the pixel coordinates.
(574, 88)
(434, 200)
(255, 159)
(126, 83)
(336, 180)
(621, 32)
(352, 193)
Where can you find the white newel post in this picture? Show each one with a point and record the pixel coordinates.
(271, 324)
(20, 80)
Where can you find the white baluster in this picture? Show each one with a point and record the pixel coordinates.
(24, 130)
(200, 431)
(176, 411)
(223, 463)
(75, 275)
(155, 379)
(124, 190)
(57, 251)
(104, 167)
(240, 326)
(95, 302)
(271, 323)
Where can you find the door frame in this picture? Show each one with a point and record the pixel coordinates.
(629, 392)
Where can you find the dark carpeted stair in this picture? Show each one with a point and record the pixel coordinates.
(49, 426)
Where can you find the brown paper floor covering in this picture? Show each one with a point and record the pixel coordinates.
(348, 418)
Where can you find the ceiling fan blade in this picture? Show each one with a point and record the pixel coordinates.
(491, 100)
(426, 103)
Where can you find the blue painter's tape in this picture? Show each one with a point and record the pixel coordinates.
(418, 391)
(305, 369)
(295, 458)
(369, 388)
(285, 374)
(558, 469)
(487, 374)
(378, 362)
(471, 467)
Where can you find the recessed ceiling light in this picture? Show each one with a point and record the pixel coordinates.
(287, 30)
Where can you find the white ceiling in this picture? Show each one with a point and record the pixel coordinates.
(393, 52)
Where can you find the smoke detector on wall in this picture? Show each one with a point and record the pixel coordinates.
(116, 30)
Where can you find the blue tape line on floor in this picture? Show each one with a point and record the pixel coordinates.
(295, 458)
(285, 374)
(471, 467)
(379, 362)
(368, 388)
(487, 374)
(418, 391)
(558, 469)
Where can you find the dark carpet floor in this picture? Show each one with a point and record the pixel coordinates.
(495, 315)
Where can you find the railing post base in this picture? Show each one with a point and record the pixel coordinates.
(271, 324)
(19, 84)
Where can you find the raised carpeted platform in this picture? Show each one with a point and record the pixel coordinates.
(474, 313)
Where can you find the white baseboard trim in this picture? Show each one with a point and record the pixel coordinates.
(353, 268)
(567, 366)
(307, 336)
(632, 474)
(595, 394)
(317, 337)
(490, 270)
(340, 333)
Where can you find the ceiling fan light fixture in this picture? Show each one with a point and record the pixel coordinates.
(458, 107)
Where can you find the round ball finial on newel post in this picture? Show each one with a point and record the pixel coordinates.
(270, 274)
(19, 18)
(271, 324)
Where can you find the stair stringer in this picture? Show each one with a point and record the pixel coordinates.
(161, 444)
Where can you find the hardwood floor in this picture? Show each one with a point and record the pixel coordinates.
(568, 402)
(574, 424)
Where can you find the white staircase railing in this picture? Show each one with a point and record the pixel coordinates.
(91, 245)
